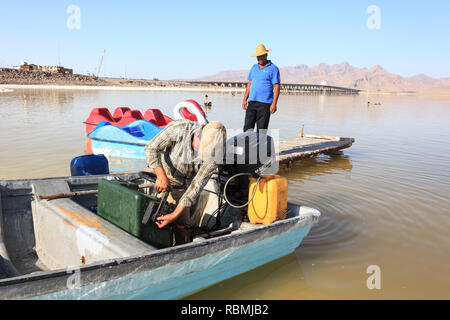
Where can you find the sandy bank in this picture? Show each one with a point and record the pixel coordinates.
(117, 88)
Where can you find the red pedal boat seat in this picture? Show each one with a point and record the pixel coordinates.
(119, 112)
(128, 117)
(157, 117)
(97, 115)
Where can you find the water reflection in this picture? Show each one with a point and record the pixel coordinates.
(58, 99)
(263, 283)
(320, 165)
(124, 164)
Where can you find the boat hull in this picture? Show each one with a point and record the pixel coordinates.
(168, 273)
(128, 141)
(178, 280)
(113, 149)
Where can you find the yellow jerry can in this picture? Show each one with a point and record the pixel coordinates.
(270, 200)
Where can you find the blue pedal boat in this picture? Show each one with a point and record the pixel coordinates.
(122, 142)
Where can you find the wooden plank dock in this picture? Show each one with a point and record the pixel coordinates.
(308, 146)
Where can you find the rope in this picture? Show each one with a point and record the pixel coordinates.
(251, 198)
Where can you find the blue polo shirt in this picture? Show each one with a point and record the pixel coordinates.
(261, 89)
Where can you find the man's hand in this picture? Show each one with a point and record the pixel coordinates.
(164, 220)
(276, 94)
(273, 108)
(246, 94)
(162, 182)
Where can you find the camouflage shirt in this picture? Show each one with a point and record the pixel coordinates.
(172, 150)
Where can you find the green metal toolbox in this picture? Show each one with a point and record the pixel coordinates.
(125, 207)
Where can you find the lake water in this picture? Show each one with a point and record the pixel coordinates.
(384, 202)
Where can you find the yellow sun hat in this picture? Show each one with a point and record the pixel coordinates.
(260, 50)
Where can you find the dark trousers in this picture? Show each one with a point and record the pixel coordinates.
(259, 113)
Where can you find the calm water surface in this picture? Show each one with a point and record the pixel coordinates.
(384, 202)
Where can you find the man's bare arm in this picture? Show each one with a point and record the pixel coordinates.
(162, 181)
(247, 92)
(276, 94)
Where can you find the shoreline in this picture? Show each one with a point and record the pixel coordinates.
(115, 88)
(21, 79)
(112, 87)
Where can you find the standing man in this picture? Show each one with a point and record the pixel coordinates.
(263, 89)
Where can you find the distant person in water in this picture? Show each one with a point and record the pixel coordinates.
(206, 104)
(263, 90)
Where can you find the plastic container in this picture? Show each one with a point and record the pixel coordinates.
(88, 165)
(125, 208)
(270, 200)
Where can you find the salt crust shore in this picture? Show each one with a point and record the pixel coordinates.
(131, 88)
(117, 88)
(188, 89)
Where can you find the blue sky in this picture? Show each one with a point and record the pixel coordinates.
(189, 39)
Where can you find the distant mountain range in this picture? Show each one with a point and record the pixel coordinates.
(346, 75)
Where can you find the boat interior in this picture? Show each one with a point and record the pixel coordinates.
(58, 233)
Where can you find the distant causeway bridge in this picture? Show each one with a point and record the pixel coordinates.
(285, 87)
